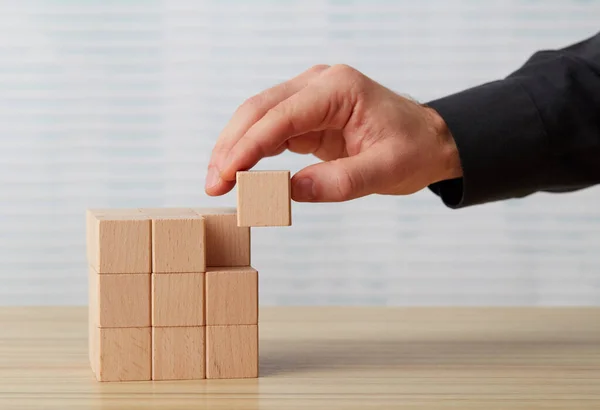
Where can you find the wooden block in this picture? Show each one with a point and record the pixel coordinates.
(178, 353)
(231, 296)
(92, 315)
(123, 354)
(178, 244)
(120, 300)
(91, 218)
(118, 241)
(94, 350)
(178, 299)
(264, 198)
(94, 335)
(226, 243)
(231, 352)
(91, 345)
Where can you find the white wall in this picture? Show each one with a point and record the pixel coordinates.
(119, 104)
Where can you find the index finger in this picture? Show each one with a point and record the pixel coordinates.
(246, 115)
(320, 105)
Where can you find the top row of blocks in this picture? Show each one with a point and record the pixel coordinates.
(167, 240)
(180, 240)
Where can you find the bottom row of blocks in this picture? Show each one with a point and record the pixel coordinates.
(175, 353)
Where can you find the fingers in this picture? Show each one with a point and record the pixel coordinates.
(346, 178)
(320, 105)
(326, 145)
(246, 115)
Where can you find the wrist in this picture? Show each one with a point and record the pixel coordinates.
(447, 160)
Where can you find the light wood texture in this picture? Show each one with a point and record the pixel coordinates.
(178, 299)
(264, 198)
(333, 358)
(226, 243)
(92, 234)
(122, 354)
(92, 315)
(178, 353)
(120, 300)
(118, 241)
(178, 244)
(232, 352)
(232, 296)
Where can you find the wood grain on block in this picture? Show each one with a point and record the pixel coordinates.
(231, 296)
(118, 241)
(178, 244)
(121, 300)
(227, 244)
(92, 315)
(263, 198)
(178, 353)
(124, 354)
(178, 299)
(231, 352)
(91, 218)
(95, 350)
(94, 354)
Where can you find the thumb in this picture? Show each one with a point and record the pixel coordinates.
(343, 179)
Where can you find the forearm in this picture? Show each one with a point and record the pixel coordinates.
(536, 130)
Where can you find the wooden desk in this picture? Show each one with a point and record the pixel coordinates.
(350, 358)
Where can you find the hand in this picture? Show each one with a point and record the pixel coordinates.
(371, 140)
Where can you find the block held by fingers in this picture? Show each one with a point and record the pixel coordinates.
(263, 198)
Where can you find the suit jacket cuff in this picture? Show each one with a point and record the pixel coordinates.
(501, 143)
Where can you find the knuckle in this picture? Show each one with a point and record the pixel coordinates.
(257, 149)
(345, 71)
(283, 117)
(349, 78)
(319, 68)
(346, 184)
(252, 104)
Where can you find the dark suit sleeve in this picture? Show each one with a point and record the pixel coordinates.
(536, 130)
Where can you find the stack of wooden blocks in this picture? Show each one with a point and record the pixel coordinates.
(172, 292)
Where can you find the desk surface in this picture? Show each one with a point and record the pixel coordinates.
(351, 358)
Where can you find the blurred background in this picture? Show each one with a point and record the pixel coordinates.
(119, 103)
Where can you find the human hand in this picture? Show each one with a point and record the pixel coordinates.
(371, 140)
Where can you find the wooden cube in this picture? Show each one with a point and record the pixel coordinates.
(178, 244)
(119, 300)
(118, 241)
(123, 354)
(232, 296)
(92, 336)
(92, 315)
(178, 299)
(178, 353)
(263, 198)
(92, 216)
(226, 243)
(231, 352)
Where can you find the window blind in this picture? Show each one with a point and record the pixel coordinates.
(119, 103)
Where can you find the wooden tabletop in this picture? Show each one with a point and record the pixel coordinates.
(330, 358)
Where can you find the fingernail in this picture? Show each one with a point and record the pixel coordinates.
(212, 177)
(305, 189)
